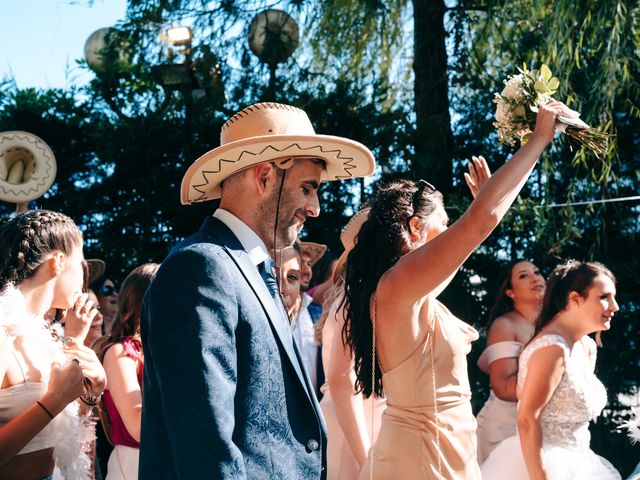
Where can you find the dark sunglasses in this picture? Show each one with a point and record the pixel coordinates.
(108, 290)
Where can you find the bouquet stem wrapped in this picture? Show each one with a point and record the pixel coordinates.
(518, 104)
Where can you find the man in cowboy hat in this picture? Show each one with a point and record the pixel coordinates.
(225, 394)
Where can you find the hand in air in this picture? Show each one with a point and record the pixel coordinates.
(77, 320)
(479, 172)
(546, 123)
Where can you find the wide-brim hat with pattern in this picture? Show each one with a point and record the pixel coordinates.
(314, 250)
(265, 132)
(348, 239)
(352, 228)
(27, 167)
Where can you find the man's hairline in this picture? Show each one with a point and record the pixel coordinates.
(315, 160)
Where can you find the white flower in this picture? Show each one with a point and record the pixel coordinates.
(633, 426)
(513, 88)
(513, 92)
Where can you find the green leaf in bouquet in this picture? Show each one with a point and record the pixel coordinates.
(540, 86)
(554, 83)
(545, 72)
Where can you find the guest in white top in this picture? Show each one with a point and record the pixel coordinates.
(515, 311)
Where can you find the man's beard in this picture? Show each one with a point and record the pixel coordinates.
(286, 235)
(287, 227)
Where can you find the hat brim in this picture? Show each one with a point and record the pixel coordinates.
(314, 250)
(345, 159)
(44, 167)
(96, 269)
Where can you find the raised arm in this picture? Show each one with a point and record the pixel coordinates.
(479, 173)
(421, 271)
(545, 369)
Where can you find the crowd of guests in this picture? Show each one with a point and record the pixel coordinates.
(385, 359)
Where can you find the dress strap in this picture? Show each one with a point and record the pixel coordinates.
(497, 351)
(547, 340)
(13, 352)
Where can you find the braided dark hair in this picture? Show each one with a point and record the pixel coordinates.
(382, 240)
(573, 276)
(27, 238)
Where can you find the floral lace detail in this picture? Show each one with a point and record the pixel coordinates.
(578, 399)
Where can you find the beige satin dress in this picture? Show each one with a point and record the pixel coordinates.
(407, 446)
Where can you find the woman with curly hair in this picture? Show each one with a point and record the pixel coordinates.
(41, 374)
(407, 345)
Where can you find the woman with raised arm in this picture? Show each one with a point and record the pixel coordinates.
(41, 375)
(557, 389)
(405, 343)
(512, 322)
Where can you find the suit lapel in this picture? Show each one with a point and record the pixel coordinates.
(249, 271)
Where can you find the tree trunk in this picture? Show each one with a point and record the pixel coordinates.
(434, 138)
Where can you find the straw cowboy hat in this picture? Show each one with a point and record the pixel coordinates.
(266, 132)
(348, 240)
(96, 269)
(314, 250)
(27, 167)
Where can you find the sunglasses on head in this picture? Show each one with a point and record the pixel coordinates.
(422, 186)
(108, 290)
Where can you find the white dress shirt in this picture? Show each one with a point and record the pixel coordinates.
(249, 239)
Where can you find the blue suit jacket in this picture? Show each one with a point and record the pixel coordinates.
(224, 397)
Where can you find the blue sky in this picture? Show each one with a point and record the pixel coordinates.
(40, 40)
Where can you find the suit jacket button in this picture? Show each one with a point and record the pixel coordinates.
(313, 445)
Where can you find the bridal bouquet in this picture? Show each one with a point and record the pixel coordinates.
(518, 103)
(633, 426)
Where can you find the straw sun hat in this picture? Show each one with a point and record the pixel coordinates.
(27, 167)
(314, 250)
(348, 238)
(265, 132)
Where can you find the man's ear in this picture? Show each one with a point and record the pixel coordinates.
(263, 176)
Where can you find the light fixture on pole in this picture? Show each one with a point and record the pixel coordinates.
(273, 37)
(178, 36)
(176, 76)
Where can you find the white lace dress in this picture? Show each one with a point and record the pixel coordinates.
(578, 399)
